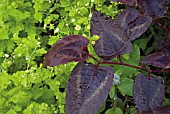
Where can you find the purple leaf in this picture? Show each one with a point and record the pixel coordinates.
(164, 46)
(69, 48)
(133, 22)
(113, 39)
(161, 58)
(157, 110)
(157, 59)
(154, 8)
(167, 2)
(161, 110)
(88, 88)
(128, 2)
(148, 94)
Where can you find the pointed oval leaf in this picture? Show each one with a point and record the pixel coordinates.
(161, 58)
(157, 59)
(88, 88)
(163, 46)
(113, 39)
(148, 94)
(128, 2)
(133, 22)
(69, 48)
(154, 8)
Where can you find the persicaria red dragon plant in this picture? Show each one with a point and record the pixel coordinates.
(89, 84)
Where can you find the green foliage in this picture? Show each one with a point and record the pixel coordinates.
(114, 111)
(112, 92)
(27, 29)
(126, 86)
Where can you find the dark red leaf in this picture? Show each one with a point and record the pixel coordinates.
(133, 22)
(148, 94)
(69, 48)
(154, 8)
(88, 88)
(113, 39)
(128, 2)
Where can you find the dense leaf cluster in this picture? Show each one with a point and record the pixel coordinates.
(89, 84)
(27, 29)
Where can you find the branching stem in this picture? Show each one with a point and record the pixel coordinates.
(129, 65)
(125, 64)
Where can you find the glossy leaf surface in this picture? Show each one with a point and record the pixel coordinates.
(128, 2)
(148, 94)
(69, 48)
(113, 39)
(88, 88)
(154, 8)
(133, 22)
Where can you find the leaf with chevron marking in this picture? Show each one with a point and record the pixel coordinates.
(133, 22)
(69, 48)
(148, 93)
(113, 39)
(88, 88)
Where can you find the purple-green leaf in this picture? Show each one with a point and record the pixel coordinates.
(88, 88)
(69, 48)
(148, 93)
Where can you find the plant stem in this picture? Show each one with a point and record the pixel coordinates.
(125, 64)
(118, 56)
(90, 55)
(124, 102)
(161, 25)
(129, 65)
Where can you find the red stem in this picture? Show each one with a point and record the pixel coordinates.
(129, 65)
(161, 25)
(90, 55)
(125, 64)
(118, 56)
